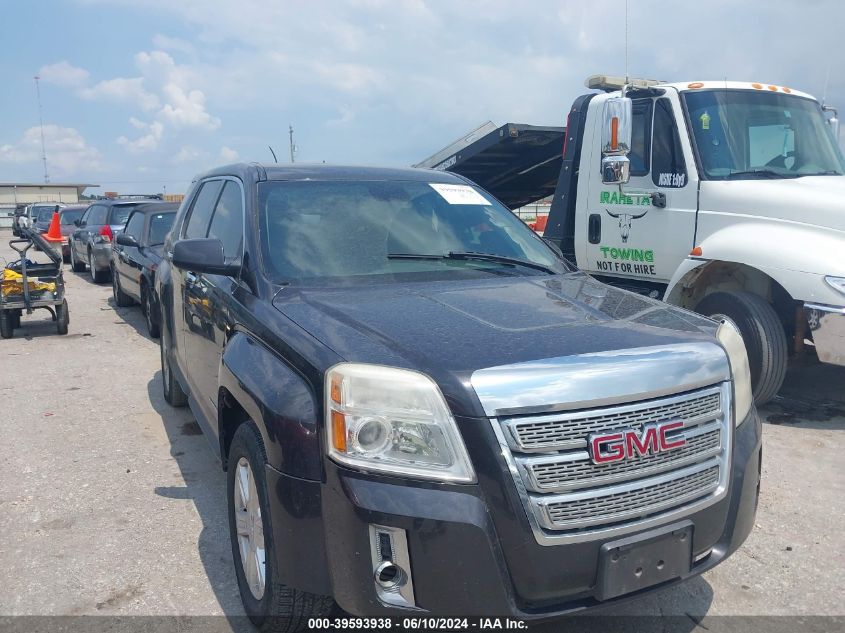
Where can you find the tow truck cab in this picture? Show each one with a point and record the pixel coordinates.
(721, 197)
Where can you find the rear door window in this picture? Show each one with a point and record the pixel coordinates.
(202, 209)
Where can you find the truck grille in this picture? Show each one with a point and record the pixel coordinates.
(569, 496)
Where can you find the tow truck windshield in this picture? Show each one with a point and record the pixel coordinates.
(745, 135)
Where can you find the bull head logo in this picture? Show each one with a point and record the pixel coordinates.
(625, 220)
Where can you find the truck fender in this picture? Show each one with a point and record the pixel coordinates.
(280, 402)
(795, 256)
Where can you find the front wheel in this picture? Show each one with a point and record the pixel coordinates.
(62, 317)
(121, 299)
(148, 304)
(271, 605)
(762, 332)
(7, 328)
(173, 393)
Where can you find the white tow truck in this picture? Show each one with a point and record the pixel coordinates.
(727, 198)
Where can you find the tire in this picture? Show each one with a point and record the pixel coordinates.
(173, 393)
(7, 329)
(148, 305)
(275, 607)
(97, 276)
(762, 332)
(75, 266)
(16, 319)
(121, 299)
(62, 317)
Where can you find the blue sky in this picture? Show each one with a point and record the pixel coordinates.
(139, 95)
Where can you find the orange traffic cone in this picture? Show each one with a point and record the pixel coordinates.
(54, 233)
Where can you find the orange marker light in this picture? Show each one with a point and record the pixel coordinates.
(696, 252)
(757, 86)
(339, 431)
(695, 85)
(787, 90)
(773, 88)
(614, 133)
(336, 397)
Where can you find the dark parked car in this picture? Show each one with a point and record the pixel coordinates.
(423, 409)
(90, 243)
(136, 255)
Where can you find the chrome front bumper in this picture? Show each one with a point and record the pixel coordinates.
(827, 323)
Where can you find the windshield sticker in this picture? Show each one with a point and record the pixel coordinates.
(705, 120)
(459, 194)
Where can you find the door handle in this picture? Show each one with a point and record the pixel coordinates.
(594, 228)
(658, 199)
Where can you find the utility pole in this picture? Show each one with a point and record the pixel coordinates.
(41, 125)
(292, 145)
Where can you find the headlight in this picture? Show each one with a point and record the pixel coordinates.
(394, 421)
(731, 340)
(837, 283)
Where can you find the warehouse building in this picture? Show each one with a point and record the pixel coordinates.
(14, 193)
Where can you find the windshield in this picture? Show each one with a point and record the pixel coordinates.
(160, 225)
(743, 134)
(314, 231)
(70, 216)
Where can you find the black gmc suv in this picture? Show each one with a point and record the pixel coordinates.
(423, 408)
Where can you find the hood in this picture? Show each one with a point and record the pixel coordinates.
(450, 329)
(814, 200)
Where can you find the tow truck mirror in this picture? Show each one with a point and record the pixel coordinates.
(616, 141)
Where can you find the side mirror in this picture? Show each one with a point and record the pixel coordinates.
(126, 240)
(616, 140)
(78, 221)
(203, 255)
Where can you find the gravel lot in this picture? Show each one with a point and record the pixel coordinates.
(112, 503)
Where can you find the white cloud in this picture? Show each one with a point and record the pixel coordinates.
(188, 154)
(228, 155)
(122, 90)
(67, 151)
(63, 74)
(146, 142)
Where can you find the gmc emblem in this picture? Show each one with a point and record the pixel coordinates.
(606, 448)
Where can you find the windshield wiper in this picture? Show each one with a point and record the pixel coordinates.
(828, 172)
(762, 173)
(467, 255)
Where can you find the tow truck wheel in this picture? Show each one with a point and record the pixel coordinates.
(6, 324)
(761, 329)
(62, 317)
(271, 605)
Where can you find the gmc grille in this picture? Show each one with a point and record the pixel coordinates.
(568, 496)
